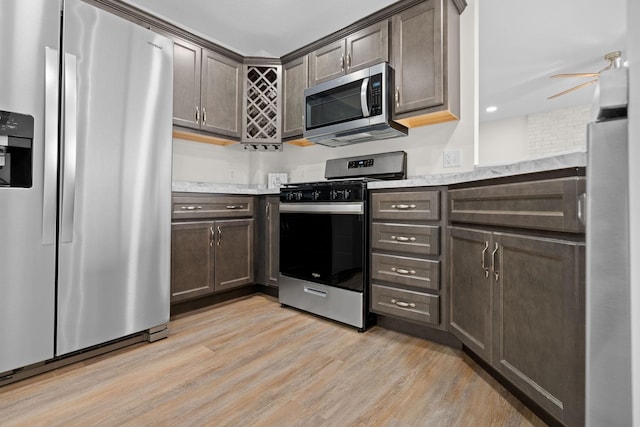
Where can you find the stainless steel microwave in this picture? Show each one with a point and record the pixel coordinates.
(352, 108)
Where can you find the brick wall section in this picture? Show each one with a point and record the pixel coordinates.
(558, 131)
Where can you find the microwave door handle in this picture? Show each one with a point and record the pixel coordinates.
(363, 97)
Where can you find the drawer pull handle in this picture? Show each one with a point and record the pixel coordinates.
(403, 238)
(403, 207)
(402, 303)
(402, 271)
(235, 206)
(190, 208)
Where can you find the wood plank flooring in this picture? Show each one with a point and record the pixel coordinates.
(252, 363)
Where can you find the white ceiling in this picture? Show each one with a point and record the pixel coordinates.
(522, 42)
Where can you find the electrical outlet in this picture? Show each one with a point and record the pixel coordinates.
(451, 159)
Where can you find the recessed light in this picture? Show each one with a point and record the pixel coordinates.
(491, 109)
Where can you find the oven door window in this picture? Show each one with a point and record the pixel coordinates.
(338, 105)
(323, 248)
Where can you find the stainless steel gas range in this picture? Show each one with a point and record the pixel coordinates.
(324, 265)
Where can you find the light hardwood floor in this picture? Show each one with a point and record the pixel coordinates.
(252, 363)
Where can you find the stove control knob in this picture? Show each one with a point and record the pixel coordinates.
(315, 195)
(347, 194)
(334, 194)
(299, 195)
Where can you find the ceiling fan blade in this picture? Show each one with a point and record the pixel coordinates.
(564, 92)
(576, 75)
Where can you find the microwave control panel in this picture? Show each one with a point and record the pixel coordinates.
(376, 94)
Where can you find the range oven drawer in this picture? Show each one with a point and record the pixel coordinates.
(409, 238)
(410, 305)
(419, 273)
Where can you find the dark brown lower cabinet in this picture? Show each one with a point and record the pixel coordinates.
(516, 302)
(210, 256)
(471, 290)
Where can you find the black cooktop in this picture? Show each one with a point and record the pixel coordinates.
(324, 191)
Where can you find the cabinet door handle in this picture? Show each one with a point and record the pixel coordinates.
(493, 262)
(341, 62)
(402, 303)
(403, 239)
(484, 253)
(397, 96)
(402, 207)
(197, 115)
(219, 236)
(212, 236)
(348, 61)
(235, 206)
(204, 116)
(402, 271)
(582, 206)
(267, 211)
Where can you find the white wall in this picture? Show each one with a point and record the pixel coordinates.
(503, 141)
(533, 136)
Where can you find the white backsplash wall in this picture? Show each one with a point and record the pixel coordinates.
(200, 162)
(558, 131)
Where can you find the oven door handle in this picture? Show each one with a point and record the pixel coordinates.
(352, 208)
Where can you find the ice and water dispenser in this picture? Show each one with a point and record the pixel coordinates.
(16, 150)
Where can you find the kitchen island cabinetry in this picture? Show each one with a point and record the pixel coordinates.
(212, 244)
(517, 281)
(406, 256)
(359, 50)
(207, 90)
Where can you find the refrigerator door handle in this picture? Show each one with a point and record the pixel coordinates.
(70, 143)
(49, 178)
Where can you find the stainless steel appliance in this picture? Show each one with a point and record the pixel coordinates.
(352, 108)
(323, 239)
(85, 221)
(608, 311)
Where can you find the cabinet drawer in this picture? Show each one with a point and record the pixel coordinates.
(413, 205)
(414, 239)
(555, 205)
(190, 207)
(416, 306)
(420, 273)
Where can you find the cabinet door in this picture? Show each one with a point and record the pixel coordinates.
(296, 76)
(538, 322)
(221, 94)
(327, 63)
(186, 84)
(471, 289)
(417, 57)
(191, 260)
(273, 240)
(233, 253)
(368, 47)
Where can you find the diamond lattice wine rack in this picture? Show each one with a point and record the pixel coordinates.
(261, 129)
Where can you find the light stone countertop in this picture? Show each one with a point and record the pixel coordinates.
(210, 187)
(562, 161)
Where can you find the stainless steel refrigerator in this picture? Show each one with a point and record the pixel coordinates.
(608, 307)
(85, 179)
